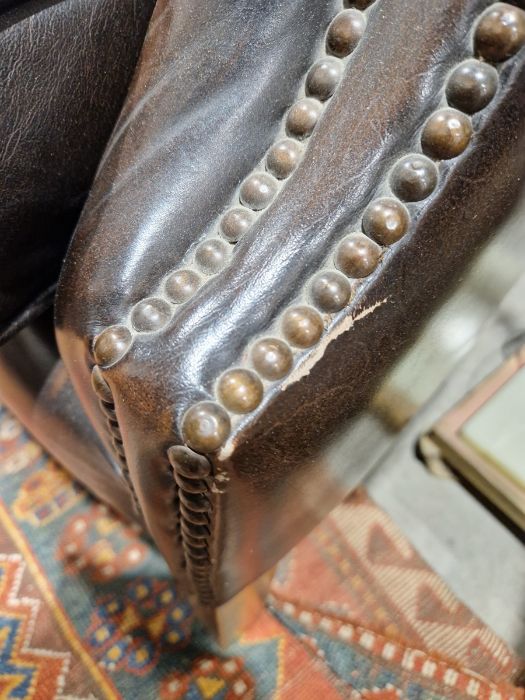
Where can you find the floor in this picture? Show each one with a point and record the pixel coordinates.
(481, 561)
(88, 610)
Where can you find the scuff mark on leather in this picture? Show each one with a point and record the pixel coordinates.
(305, 368)
(220, 482)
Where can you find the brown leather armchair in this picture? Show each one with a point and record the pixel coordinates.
(289, 193)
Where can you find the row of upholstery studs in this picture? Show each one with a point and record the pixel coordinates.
(500, 32)
(255, 193)
(192, 474)
(107, 406)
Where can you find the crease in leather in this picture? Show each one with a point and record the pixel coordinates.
(43, 302)
(165, 372)
(243, 300)
(89, 302)
(90, 291)
(64, 71)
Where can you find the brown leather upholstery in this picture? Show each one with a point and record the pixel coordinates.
(64, 71)
(216, 86)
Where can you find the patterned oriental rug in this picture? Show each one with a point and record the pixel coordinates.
(88, 610)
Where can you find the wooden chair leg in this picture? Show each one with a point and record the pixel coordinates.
(227, 622)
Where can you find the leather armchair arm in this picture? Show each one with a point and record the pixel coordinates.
(64, 71)
(228, 369)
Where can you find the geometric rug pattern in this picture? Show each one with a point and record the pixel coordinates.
(24, 671)
(88, 610)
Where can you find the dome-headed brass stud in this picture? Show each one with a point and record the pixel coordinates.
(283, 157)
(212, 255)
(272, 358)
(446, 134)
(100, 385)
(181, 285)
(414, 178)
(357, 255)
(111, 345)
(385, 220)
(330, 291)
(108, 409)
(302, 326)
(150, 315)
(235, 223)
(323, 78)
(240, 390)
(114, 429)
(303, 116)
(471, 86)
(344, 32)
(258, 190)
(193, 517)
(500, 32)
(205, 426)
(188, 463)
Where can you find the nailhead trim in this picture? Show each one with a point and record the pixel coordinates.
(195, 263)
(197, 272)
(193, 476)
(107, 406)
(356, 281)
(191, 511)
